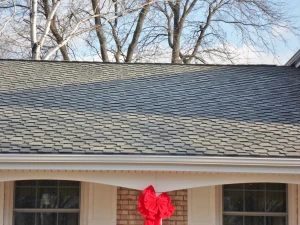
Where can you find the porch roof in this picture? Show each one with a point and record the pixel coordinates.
(154, 109)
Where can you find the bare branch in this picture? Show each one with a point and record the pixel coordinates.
(10, 18)
(74, 32)
(48, 24)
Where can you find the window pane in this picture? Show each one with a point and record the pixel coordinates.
(276, 220)
(69, 198)
(46, 219)
(26, 183)
(24, 197)
(232, 220)
(24, 218)
(254, 220)
(255, 186)
(254, 201)
(279, 187)
(47, 183)
(47, 198)
(276, 201)
(233, 201)
(69, 183)
(68, 219)
(234, 186)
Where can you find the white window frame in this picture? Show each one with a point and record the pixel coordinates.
(92, 209)
(8, 211)
(292, 203)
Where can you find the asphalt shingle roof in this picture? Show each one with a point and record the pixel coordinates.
(98, 108)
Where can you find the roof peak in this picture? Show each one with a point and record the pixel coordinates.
(294, 61)
(137, 63)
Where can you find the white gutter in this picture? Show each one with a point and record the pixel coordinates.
(149, 163)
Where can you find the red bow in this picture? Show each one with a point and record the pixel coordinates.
(154, 208)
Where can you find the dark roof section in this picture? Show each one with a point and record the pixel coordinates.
(100, 108)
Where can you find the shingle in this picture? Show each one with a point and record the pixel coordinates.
(98, 108)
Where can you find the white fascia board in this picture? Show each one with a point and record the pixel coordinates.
(294, 60)
(149, 163)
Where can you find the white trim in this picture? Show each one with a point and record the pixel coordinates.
(298, 205)
(149, 163)
(2, 202)
(219, 205)
(202, 208)
(292, 198)
(9, 202)
(84, 186)
(294, 60)
(162, 181)
(292, 204)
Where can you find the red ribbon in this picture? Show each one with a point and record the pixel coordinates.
(154, 208)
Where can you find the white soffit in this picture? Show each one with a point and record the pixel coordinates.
(150, 163)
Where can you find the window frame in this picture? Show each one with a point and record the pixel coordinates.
(44, 210)
(290, 191)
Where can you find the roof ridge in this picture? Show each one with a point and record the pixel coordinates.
(138, 63)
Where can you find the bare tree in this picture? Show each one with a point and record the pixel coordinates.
(78, 20)
(182, 31)
(199, 30)
(122, 43)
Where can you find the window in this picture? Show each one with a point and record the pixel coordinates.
(46, 202)
(255, 204)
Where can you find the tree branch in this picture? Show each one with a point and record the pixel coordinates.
(9, 19)
(48, 24)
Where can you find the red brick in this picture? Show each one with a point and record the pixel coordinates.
(134, 192)
(182, 192)
(136, 222)
(122, 202)
(124, 212)
(128, 197)
(181, 223)
(177, 197)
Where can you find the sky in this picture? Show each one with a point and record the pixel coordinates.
(284, 52)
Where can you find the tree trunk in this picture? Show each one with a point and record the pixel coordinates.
(35, 47)
(137, 32)
(36, 51)
(100, 32)
(59, 39)
(176, 34)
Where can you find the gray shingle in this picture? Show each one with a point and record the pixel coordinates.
(99, 108)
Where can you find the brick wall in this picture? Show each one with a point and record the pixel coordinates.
(127, 213)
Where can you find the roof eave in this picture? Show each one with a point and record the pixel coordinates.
(150, 163)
